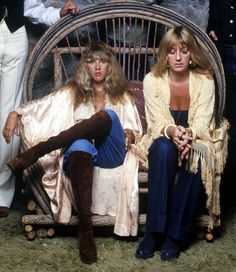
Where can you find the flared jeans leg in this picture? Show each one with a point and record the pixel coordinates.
(162, 160)
(171, 205)
(183, 204)
(109, 153)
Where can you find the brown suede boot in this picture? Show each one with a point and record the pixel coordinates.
(96, 127)
(80, 172)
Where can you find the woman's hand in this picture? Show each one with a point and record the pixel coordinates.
(176, 134)
(182, 138)
(69, 7)
(129, 137)
(185, 142)
(212, 34)
(10, 126)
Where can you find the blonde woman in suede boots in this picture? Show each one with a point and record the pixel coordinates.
(97, 121)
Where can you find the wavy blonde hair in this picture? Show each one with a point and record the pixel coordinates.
(115, 84)
(184, 36)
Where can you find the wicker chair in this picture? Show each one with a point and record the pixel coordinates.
(134, 30)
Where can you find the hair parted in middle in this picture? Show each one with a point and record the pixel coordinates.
(183, 36)
(115, 84)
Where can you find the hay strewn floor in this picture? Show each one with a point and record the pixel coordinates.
(61, 253)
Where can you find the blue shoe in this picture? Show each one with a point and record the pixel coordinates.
(170, 249)
(148, 246)
(141, 254)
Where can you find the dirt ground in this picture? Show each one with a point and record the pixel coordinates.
(61, 253)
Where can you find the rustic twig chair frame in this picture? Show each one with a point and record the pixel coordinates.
(107, 22)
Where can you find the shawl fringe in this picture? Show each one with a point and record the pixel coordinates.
(211, 155)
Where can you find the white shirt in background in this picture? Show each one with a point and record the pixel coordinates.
(37, 13)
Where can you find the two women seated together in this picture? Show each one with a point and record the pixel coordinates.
(87, 138)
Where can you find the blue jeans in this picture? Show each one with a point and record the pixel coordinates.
(110, 153)
(171, 206)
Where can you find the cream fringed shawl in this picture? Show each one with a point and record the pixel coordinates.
(209, 143)
(115, 191)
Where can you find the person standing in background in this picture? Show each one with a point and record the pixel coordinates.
(13, 56)
(222, 30)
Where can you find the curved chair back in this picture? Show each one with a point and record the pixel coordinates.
(132, 28)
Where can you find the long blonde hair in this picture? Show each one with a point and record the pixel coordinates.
(81, 85)
(199, 60)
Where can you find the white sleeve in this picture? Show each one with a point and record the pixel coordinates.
(37, 13)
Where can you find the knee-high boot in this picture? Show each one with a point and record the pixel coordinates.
(96, 127)
(80, 172)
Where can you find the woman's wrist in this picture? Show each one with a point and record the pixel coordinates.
(165, 131)
(13, 114)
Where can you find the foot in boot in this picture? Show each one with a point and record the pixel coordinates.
(171, 249)
(88, 250)
(16, 165)
(151, 242)
(23, 161)
(89, 256)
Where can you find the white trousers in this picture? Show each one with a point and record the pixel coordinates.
(13, 56)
